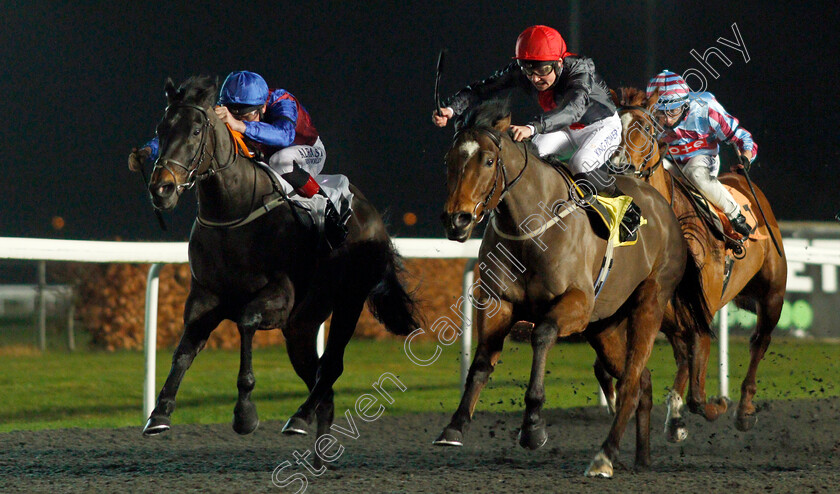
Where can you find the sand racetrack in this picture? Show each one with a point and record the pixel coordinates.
(795, 447)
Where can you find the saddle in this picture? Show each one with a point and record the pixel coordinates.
(327, 217)
(716, 220)
(608, 215)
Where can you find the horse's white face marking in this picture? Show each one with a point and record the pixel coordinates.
(468, 149)
(626, 119)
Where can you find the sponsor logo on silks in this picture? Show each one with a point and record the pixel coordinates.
(687, 148)
(605, 144)
(310, 152)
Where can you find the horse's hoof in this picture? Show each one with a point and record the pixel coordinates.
(245, 418)
(676, 431)
(745, 422)
(716, 406)
(295, 426)
(156, 425)
(601, 466)
(533, 436)
(449, 437)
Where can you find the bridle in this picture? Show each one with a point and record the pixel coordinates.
(500, 173)
(644, 170)
(194, 165)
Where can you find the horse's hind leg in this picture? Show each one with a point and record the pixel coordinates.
(202, 318)
(644, 324)
(331, 365)
(301, 348)
(643, 421)
(768, 311)
(491, 337)
(245, 418)
(606, 383)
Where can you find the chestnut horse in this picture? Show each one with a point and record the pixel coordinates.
(756, 282)
(546, 277)
(254, 260)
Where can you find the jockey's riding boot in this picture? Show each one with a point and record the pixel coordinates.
(604, 185)
(334, 226)
(739, 224)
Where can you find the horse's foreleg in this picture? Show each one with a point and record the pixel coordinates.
(644, 324)
(569, 315)
(491, 337)
(201, 319)
(675, 426)
(245, 418)
(697, 402)
(768, 312)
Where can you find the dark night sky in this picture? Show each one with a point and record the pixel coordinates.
(82, 85)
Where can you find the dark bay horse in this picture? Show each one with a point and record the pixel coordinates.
(756, 281)
(547, 277)
(263, 271)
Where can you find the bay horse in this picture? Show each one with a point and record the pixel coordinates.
(255, 261)
(547, 277)
(756, 281)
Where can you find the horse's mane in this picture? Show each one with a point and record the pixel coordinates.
(201, 90)
(484, 115)
(631, 96)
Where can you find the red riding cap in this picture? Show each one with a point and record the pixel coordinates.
(540, 43)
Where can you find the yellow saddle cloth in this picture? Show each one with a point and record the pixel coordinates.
(611, 212)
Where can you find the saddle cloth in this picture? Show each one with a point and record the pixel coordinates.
(607, 210)
(337, 188)
(716, 218)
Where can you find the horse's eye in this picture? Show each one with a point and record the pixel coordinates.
(196, 132)
(647, 129)
(489, 163)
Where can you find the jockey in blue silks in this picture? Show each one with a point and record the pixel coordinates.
(279, 126)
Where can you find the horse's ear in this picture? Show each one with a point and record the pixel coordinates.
(169, 89)
(502, 124)
(653, 99)
(616, 100)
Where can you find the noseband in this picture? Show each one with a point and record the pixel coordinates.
(192, 168)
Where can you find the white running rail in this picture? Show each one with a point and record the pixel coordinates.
(159, 253)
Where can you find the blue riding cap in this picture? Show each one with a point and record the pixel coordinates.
(243, 89)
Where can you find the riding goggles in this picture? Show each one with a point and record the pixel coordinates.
(672, 112)
(530, 68)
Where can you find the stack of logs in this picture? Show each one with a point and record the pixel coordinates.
(111, 302)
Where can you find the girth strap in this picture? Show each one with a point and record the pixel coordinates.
(243, 221)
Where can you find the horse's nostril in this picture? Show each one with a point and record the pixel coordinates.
(461, 220)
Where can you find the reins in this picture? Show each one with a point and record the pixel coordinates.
(192, 168)
(194, 165)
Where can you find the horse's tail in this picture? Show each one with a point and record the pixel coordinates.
(389, 302)
(690, 307)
